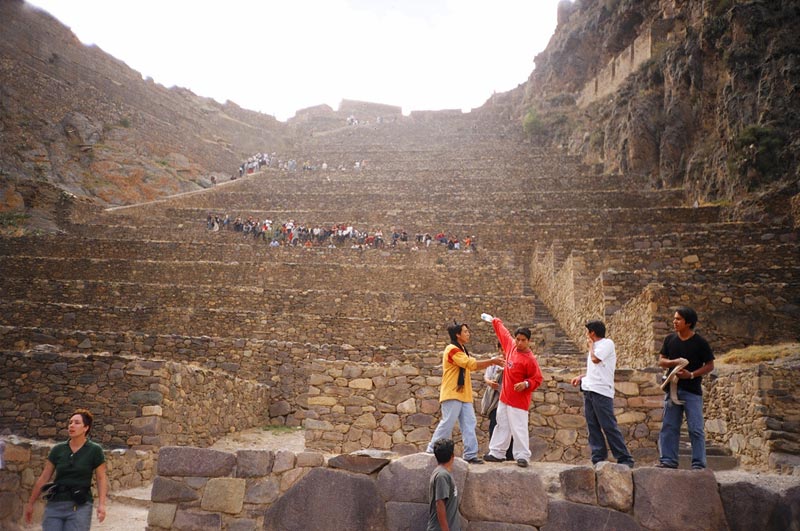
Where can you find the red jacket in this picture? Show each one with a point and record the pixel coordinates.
(520, 366)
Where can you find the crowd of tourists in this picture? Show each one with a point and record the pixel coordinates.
(291, 233)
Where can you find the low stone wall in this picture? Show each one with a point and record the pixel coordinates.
(23, 462)
(396, 407)
(252, 489)
(755, 412)
(141, 404)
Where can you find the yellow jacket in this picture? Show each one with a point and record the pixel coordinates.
(453, 358)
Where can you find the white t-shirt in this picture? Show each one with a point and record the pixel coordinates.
(600, 376)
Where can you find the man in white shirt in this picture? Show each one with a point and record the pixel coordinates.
(598, 397)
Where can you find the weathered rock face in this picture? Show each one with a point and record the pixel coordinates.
(328, 499)
(669, 500)
(714, 109)
(74, 116)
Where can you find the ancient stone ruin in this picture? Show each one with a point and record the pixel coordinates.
(176, 331)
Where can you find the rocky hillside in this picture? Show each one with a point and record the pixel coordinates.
(73, 116)
(715, 109)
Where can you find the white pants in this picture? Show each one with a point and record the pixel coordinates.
(511, 422)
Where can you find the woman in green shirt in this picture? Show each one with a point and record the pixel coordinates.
(70, 504)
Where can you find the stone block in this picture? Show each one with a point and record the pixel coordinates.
(187, 520)
(224, 495)
(167, 490)
(146, 425)
(284, 460)
(614, 486)
(254, 463)
(668, 499)
(578, 484)
(279, 408)
(409, 406)
(565, 515)
(406, 479)
(17, 453)
(187, 461)
(366, 421)
(521, 489)
(310, 459)
(263, 491)
(360, 383)
(148, 411)
(406, 516)
(328, 499)
(161, 515)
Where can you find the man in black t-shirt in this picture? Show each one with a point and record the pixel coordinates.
(684, 344)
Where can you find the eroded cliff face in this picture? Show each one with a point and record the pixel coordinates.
(75, 117)
(716, 108)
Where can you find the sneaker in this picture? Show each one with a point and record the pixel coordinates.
(664, 465)
(628, 464)
(522, 462)
(492, 459)
(698, 467)
(475, 461)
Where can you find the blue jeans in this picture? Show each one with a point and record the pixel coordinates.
(600, 419)
(64, 516)
(464, 413)
(671, 429)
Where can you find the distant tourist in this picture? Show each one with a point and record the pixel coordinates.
(455, 392)
(69, 499)
(687, 357)
(597, 385)
(520, 378)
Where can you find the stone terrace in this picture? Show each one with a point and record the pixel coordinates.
(557, 244)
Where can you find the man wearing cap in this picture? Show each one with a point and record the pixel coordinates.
(598, 397)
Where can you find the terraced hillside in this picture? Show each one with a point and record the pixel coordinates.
(554, 245)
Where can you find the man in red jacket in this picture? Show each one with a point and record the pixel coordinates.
(521, 376)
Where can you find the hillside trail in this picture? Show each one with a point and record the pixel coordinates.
(127, 509)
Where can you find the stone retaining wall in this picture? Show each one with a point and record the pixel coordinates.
(396, 407)
(755, 412)
(252, 489)
(142, 404)
(23, 462)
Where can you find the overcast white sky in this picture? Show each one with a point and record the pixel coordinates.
(281, 56)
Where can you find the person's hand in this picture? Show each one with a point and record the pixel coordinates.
(29, 513)
(101, 512)
(520, 386)
(491, 383)
(576, 381)
(500, 361)
(486, 317)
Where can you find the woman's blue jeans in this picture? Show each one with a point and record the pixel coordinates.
(65, 516)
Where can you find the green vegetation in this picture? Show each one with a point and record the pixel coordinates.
(722, 7)
(758, 354)
(532, 123)
(125, 122)
(758, 147)
(12, 219)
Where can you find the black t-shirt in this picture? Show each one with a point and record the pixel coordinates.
(696, 350)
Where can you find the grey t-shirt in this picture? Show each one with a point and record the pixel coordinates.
(442, 487)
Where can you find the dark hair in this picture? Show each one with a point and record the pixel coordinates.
(87, 418)
(688, 314)
(597, 327)
(524, 330)
(443, 450)
(454, 329)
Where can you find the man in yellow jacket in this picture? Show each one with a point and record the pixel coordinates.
(455, 393)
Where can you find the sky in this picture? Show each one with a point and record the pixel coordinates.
(280, 56)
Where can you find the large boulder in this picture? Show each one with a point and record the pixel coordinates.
(569, 516)
(504, 494)
(683, 500)
(328, 499)
(750, 506)
(406, 479)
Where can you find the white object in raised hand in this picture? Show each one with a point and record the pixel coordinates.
(486, 317)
